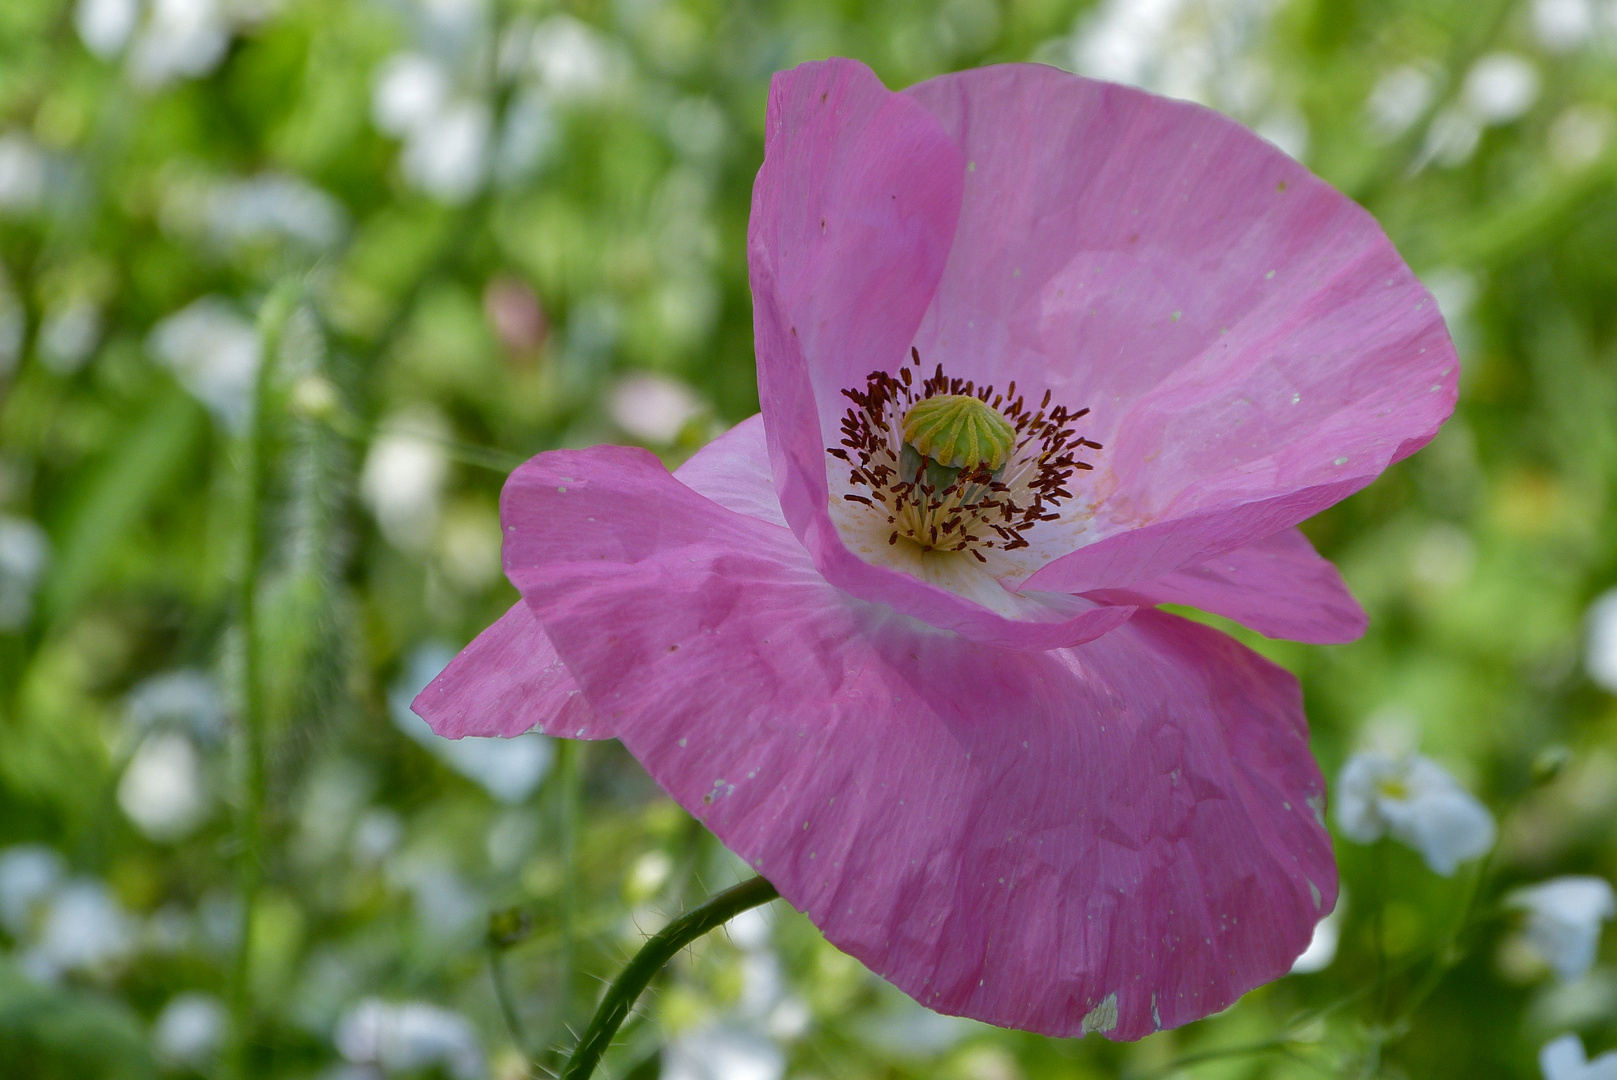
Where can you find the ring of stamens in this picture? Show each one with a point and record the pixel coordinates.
(971, 507)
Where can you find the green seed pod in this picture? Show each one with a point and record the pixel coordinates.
(957, 431)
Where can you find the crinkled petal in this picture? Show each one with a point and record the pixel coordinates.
(1279, 586)
(507, 681)
(1251, 345)
(1119, 837)
(852, 215)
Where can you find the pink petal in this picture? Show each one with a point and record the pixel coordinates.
(851, 219)
(1117, 837)
(1252, 346)
(733, 471)
(1279, 587)
(507, 681)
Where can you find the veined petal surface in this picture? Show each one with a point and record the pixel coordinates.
(1119, 836)
(1278, 586)
(1252, 346)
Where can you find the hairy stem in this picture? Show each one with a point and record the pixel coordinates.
(272, 321)
(626, 989)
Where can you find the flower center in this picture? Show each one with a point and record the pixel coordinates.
(957, 431)
(954, 467)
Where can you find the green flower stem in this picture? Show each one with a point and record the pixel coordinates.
(272, 321)
(622, 994)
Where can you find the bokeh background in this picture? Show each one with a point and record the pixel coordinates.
(519, 224)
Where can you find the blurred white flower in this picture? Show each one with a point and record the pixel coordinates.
(1195, 49)
(508, 769)
(22, 173)
(1564, 916)
(1500, 87)
(162, 789)
(181, 38)
(1415, 800)
(1580, 135)
(29, 875)
(574, 61)
(1564, 1059)
(1452, 138)
(1600, 645)
(652, 408)
(1321, 949)
(723, 1052)
(1563, 25)
(189, 1031)
(447, 155)
(68, 335)
(403, 479)
(648, 874)
(750, 929)
(1399, 98)
(275, 206)
(25, 552)
(186, 700)
(410, 89)
(105, 25)
(85, 930)
(409, 1036)
(376, 834)
(214, 352)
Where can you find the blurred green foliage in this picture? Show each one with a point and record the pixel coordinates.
(521, 225)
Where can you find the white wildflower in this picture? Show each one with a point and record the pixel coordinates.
(162, 789)
(214, 352)
(409, 1036)
(29, 875)
(1563, 25)
(187, 700)
(403, 479)
(723, 1052)
(25, 552)
(105, 25)
(1415, 800)
(181, 39)
(85, 930)
(22, 173)
(1500, 87)
(1564, 916)
(1321, 949)
(447, 156)
(1399, 98)
(189, 1031)
(1600, 646)
(1564, 1059)
(410, 89)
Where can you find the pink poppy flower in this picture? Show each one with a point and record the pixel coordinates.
(904, 659)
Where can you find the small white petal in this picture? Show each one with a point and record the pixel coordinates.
(1600, 649)
(1500, 87)
(1562, 1059)
(1564, 918)
(1356, 795)
(1447, 828)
